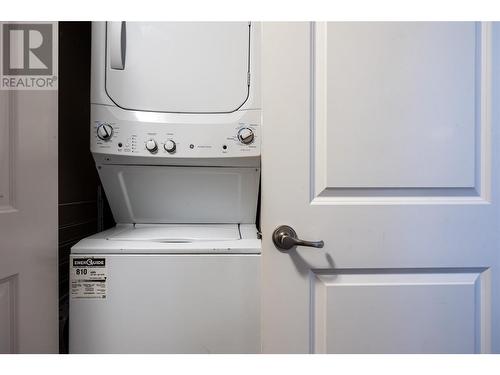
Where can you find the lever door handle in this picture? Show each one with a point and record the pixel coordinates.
(117, 44)
(284, 238)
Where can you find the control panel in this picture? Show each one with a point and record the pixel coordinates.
(174, 139)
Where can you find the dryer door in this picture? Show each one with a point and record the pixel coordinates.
(184, 67)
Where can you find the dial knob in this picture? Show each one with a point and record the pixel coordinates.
(151, 146)
(246, 136)
(104, 132)
(169, 146)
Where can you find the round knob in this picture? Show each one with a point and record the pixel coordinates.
(246, 136)
(169, 146)
(104, 132)
(151, 146)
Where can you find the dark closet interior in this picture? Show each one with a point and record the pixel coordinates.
(83, 209)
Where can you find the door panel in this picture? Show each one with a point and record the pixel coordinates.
(178, 66)
(404, 93)
(392, 161)
(8, 312)
(5, 156)
(380, 312)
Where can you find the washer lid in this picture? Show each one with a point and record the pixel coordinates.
(183, 67)
(178, 233)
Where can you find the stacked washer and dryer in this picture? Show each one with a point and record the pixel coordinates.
(175, 134)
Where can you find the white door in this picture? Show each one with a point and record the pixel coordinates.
(382, 140)
(28, 222)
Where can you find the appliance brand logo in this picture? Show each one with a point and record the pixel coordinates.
(29, 56)
(89, 262)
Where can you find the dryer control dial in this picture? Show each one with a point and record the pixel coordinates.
(170, 146)
(246, 136)
(104, 131)
(152, 146)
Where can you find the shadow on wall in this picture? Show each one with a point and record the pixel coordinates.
(83, 209)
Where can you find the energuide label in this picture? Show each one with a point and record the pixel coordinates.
(88, 277)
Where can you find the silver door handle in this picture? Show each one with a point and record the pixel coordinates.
(117, 44)
(284, 238)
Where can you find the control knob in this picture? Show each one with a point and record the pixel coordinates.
(151, 146)
(169, 146)
(246, 136)
(104, 132)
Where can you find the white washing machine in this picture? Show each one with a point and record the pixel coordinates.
(175, 134)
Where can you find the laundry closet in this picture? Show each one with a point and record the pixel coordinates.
(175, 133)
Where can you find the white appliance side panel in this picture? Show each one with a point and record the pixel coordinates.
(185, 67)
(161, 194)
(171, 304)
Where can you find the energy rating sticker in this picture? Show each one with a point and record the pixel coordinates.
(88, 277)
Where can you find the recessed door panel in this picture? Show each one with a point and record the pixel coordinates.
(405, 312)
(402, 103)
(8, 315)
(5, 155)
(186, 67)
